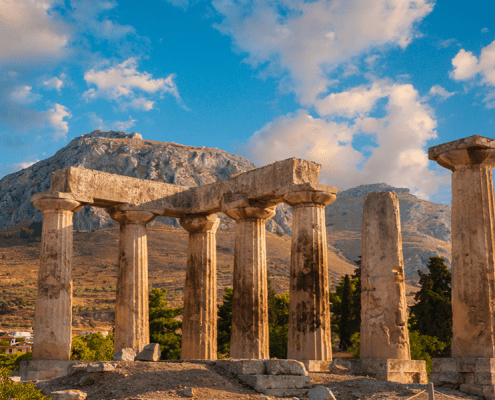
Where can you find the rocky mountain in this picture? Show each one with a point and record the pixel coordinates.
(425, 225)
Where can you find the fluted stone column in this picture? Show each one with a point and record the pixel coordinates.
(131, 307)
(53, 316)
(309, 307)
(473, 292)
(384, 332)
(250, 298)
(199, 326)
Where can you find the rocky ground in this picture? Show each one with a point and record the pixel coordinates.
(172, 380)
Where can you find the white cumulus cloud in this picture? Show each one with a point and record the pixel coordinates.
(54, 84)
(56, 118)
(438, 90)
(23, 95)
(468, 66)
(123, 82)
(309, 40)
(29, 31)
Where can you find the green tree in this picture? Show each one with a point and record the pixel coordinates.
(16, 390)
(279, 325)
(94, 347)
(432, 314)
(224, 323)
(4, 343)
(13, 361)
(424, 346)
(346, 314)
(164, 327)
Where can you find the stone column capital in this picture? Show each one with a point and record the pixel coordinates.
(246, 210)
(194, 223)
(129, 214)
(46, 201)
(471, 157)
(307, 198)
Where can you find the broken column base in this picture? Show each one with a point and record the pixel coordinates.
(43, 370)
(316, 365)
(469, 375)
(403, 371)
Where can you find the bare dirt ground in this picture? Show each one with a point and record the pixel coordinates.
(168, 380)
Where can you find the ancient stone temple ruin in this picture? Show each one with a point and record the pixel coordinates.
(472, 366)
(250, 199)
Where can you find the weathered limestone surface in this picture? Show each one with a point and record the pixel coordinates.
(250, 296)
(105, 190)
(150, 352)
(243, 367)
(126, 354)
(131, 307)
(384, 332)
(404, 371)
(199, 327)
(262, 382)
(53, 317)
(285, 367)
(309, 309)
(473, 290)
(41, 370)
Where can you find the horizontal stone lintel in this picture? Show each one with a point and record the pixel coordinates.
(462, 365)
(266, 185)
(471, 141)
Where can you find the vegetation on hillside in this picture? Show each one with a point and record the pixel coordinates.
(16, 390)
(94, 347)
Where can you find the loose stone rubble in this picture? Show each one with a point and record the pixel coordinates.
(151, 352)
(472, 366)
(126, 354)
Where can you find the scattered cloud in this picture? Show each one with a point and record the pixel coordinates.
(468, 66)
(10, 169)
(29, 30)
(438, 90)
(24, 95)
(54, 83)
(398, 158)
(55, 118)
(123, 81)
(485, 30)
(309, 40)
(125, 125)
(184, 4)
(98, 123)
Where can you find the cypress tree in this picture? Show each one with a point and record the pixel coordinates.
(346, 314)
(432, 314)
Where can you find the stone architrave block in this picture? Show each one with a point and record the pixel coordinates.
(126, 354)
(263, 382)
(68, 395)
(285, 367)
(242, 367)
(151, 352)
(321, 393)
(100, 367)
(446, 377)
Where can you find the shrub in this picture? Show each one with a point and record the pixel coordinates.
(16, 390)
(92, 347)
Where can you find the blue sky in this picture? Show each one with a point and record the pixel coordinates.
(362, 87)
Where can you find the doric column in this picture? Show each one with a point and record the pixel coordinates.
(473, 293)
(131, 306)
(384, 332)
(199, 326)
(53, 316)
(250, 300)
(309, 307)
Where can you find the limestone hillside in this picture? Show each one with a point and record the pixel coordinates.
(425, 225)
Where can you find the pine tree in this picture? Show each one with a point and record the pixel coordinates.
(346, 315)
(224, 323)
(432, 314)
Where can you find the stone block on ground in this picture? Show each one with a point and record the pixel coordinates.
(262, 382)
(126, 354)
(242, 367)
(41, 370)
(446, 377)
(403, 371)
(316, 365)
(321, 393)
(100, 367)
(340, 367)
(189, 392)
(68, 395)
(285, 367)
(295, 393)
(151, 352)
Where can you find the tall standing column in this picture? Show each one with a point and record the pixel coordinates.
(131, 306)
(199, 327)
(53, 316)
(250, 298)
(473, 293)
(384, 332)
(309, 307)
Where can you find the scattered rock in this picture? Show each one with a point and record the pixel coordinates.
(285, 367)
(68, 395)
(321, 393)
(86, 381)
(151, 352)
(243, 367)
(126, 354)
(340, 367)
(187, 392)
(100, 367)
